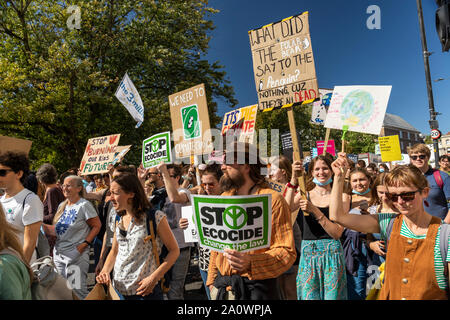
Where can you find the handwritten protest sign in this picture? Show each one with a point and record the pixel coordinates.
(361, 108)
(190, 233)
(242, 223)
(320, 107)
(99, 153)
(190, 122)
(279, 187)
(390, 148)
(241, 123)
(156, 149)
(14, 144)
(330, 147)
(283, 62)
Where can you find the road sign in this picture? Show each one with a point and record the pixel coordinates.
(435, 134)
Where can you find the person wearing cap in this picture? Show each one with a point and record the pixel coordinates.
(251, 275)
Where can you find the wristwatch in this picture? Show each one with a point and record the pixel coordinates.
(88, 243)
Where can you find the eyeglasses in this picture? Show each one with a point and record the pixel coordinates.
(422, 157)
(406, 196)
(3, 172)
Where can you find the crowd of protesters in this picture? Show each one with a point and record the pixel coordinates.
(353, 219)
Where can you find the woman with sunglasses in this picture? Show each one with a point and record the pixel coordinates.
(414, 264)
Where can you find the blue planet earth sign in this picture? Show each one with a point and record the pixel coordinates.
(357, 108)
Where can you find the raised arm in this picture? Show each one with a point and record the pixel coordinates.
(338, 213)
(171, 186)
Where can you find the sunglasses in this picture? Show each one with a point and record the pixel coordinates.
(406, 196)
(422, 157)
(3, 172)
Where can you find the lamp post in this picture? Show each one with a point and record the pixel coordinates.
(433, 122)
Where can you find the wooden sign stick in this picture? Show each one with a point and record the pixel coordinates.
(295, 146)
(327, 137)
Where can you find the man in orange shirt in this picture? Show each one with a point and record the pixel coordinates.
(251, 275)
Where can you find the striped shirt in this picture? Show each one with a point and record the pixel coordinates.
(269, 262)
(384, 218)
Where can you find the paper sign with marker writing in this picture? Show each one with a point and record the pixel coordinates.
(242, 223)
(320, 108)
(390, 148)
(241, 123)
(362, 108)
(190, 122)
(283, 62)
(99, 153)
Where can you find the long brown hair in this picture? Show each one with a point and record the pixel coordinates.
(10, 240)
(129, 183)
(379, 181)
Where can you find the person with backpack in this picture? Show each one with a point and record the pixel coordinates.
(23, 208)
(15, 275)
(437, 202)
(141, 229)
(417, 263)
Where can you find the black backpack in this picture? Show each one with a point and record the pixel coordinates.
(151, 231)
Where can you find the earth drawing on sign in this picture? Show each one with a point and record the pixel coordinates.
(357, 108)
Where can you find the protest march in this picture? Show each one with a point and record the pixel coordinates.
(267, 209)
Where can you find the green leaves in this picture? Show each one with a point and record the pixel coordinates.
(57, 85)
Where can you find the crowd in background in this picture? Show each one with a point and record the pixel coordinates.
(327, 244)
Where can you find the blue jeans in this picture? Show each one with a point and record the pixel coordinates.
(179, 272)
(356, 285)
(204, 275)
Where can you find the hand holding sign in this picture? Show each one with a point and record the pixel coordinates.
(239, 261)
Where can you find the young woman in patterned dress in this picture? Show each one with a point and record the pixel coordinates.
(136, 274)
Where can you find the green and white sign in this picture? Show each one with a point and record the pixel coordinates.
(191, 123)
(242, 223)
(156, 149)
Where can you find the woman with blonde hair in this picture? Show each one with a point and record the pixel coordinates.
(415, 262)
(75, 226)
(15, 276)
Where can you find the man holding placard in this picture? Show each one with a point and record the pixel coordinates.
(254, 272)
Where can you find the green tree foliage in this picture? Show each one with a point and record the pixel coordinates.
(57, 85)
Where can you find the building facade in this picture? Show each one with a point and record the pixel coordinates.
(395, 125)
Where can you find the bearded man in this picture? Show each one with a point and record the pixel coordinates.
(251, 275)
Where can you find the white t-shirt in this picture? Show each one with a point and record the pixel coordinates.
(71, 228)
(20, 216)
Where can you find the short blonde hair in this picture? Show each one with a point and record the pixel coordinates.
(406, 175)
(420, 148)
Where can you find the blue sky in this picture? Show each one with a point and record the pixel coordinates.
(345, 51)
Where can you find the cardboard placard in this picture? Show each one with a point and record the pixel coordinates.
(242, 223)
(15, 144)
(320, 108)
(330, 147)
(190, 122)
(190, 233)
(156, 149)
(361, 108)
(283, 62)
(278, 187)
(99, 153)
(390, 148)
(241, 123)
(121, 151)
